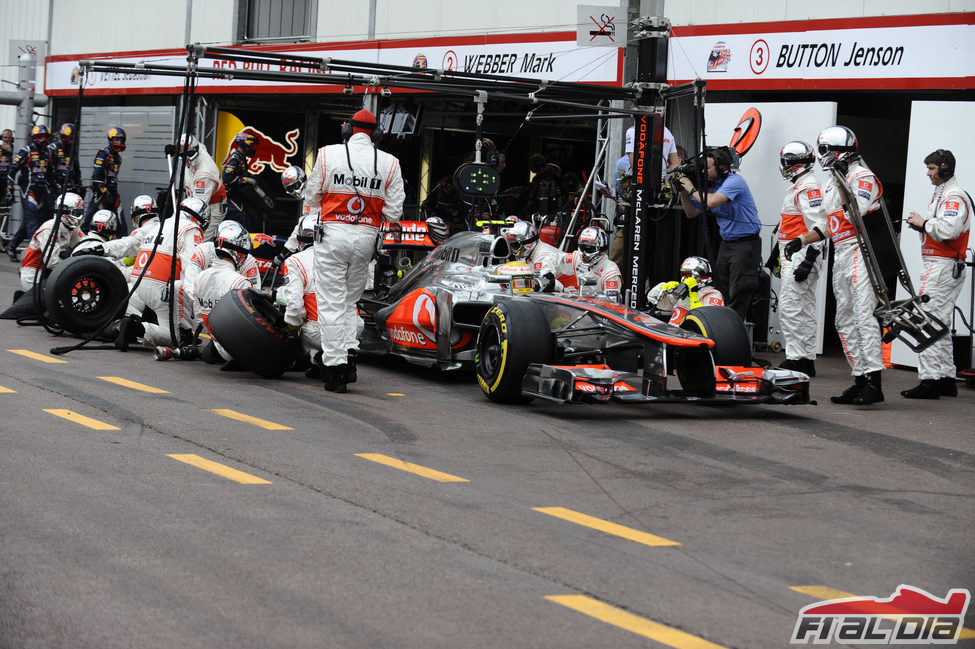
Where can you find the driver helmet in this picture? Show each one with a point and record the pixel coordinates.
(232, 241)
(306, 230)
(519, 274)
(189, 145)
(437, 229)
(246, 142)
(592, 243)
(104, 223)
(116, 139)
(71, 208)
(836, 144)
(293, 180)
(143, 209)
(795, 159)
(197, 210)
(522, 238)
(697, 267)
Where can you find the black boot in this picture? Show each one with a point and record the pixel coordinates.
(129, 330)
(926, 389)
(851, 392)
(794, 364)
(314, 370)
(947, 387)
(807, 366)
(334, 377)
(350, 374)
(871, 392)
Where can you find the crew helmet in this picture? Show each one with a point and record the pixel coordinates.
(104, 223)
(116, 138)
(143, 208)
(522, 238)
(246, 142)
(796, 158)
(306, 229)
(39, 135)
(836, 144)
(189, 145)
(697, 267)
(293, 181)
(519, 276)
(66, 133)
(592, 243)
(437, 229)
(197, 210)
(233, 241)
(71, 208)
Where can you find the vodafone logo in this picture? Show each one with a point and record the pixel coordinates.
(355, 205)
(424, 315)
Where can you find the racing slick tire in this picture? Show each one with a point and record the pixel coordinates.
(83, 294)
(513, 335)
(724, 326)
(249, 327)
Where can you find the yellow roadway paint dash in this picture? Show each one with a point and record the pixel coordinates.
(605, 526)
(118, 380)
(4, 390)
(81, 419)
(36, 356)
(260, 423)
(395, 394)
(412, 468)
(825, 592)
(220, 469)
(634, 623)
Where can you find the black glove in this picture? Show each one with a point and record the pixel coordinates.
(170, 149)
(803, 270)
(792, 248)
(280, 257)
(547, 282)
(97, 249)
(64, 253)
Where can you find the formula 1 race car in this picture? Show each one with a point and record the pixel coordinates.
(453, 310)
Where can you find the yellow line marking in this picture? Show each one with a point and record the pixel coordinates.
(36, 356)
(395, 394)
(634, 623)
(4, 390)
(825, 592)
(125, 383)
(220, 469)
(260, 423)
(606, 526)
(81, 419)
(412, 468)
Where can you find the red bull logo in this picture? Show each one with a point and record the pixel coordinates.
(270, 152)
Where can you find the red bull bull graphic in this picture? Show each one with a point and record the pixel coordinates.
(270, 152)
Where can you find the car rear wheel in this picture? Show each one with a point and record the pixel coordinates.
(249, 327)
(513, 335)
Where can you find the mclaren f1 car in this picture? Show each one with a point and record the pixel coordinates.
(453, 310)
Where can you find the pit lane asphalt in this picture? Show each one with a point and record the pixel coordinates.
(107, 541)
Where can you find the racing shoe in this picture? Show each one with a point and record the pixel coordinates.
(129, 331)
(794, 364)
(851, 392)
(12, 253)
(334, 377)
(926, 389)
(948, 387)
(314, 371)
(871, 392)
(350, 373)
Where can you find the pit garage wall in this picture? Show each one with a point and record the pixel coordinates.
(781, 122)
(935, 125)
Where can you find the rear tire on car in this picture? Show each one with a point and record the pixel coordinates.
(83, 294)
(249, 327)
(513, 335)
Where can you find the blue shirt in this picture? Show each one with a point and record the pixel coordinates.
(738, 217)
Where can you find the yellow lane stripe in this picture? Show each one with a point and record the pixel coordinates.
(634, 623)
(4, 390)
(36, 356)
(220, 469)
(606, 526)
(395, 394)
(825, 592)
(412, 468)
(81, 419)
(260, 423)
(125, 383)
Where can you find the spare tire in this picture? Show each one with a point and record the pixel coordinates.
(249, 327)
(83, 294)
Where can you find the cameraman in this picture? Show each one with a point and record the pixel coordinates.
(736, 270)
